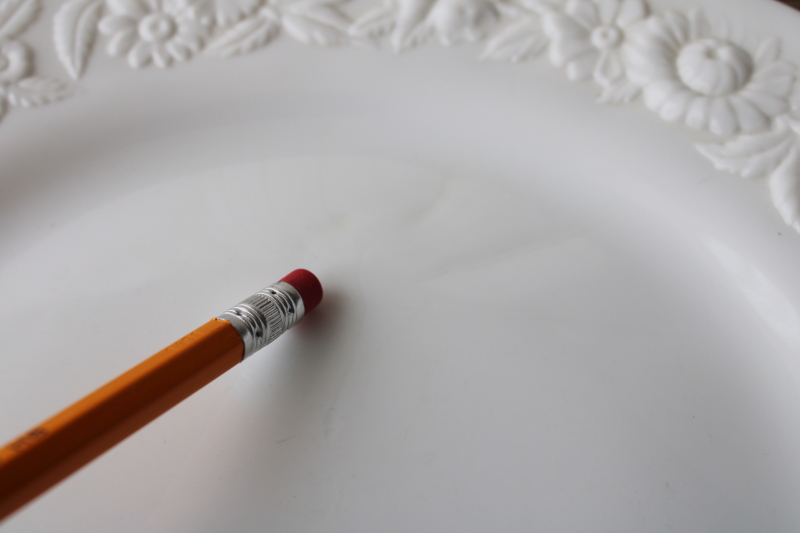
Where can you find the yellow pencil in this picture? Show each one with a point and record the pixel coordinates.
(51, 451)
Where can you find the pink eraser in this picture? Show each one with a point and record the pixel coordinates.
(307, 285)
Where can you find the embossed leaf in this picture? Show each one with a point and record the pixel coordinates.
(751, 156)
(15, 15)
(34, 92)
(375, 23)
(768, 52)
(75, 29)
(520, 41)
(412, 27)
(314, 22)
(225, 12)
(248, 35)
(699, 27)
(784, 188)
(416, 36)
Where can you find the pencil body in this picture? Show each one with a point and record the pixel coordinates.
(56, 448)
(51, 451)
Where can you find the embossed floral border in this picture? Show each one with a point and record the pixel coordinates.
(740, 94)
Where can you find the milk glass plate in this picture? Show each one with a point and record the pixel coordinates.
(542, 313)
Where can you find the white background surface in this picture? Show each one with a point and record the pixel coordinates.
(541, 314)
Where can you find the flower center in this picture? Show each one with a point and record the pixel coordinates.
(156, 27)
(604, 37)
(714, 67)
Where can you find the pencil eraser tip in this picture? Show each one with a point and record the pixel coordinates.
(307, 285)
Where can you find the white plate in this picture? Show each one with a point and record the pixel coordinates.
(541, 313)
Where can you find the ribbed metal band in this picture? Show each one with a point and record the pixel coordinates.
(263, 317)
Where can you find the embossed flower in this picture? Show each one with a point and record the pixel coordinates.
(587, 36)
(460, 21)
(153, 30)
(688, 74)
(15, 61)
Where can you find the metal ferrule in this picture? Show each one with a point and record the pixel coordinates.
(263, 317)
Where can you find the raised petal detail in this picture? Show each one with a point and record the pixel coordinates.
(722, 119)
(731, 90)
(459, 21)
(698, 25)
(607, 10)
(140, 55)
(622, 92)
(698, 112)
(631, 11)
(768, 52)
(569, 38)
(661, 30)
(776, 79)
(644, 65)
(780, 88)
(609, 68)
(190, 40)
(581, 67)
(561, 26)
(675, 107)
(687, 69)
(771, 105)
(161, 58)
(750, 118)
(584, 12)
(517, 42)
(178, 51)
(655, 93)
(721, 29)
(678, 26)
(121, 43)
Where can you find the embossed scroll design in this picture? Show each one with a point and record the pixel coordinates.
(739, 94)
